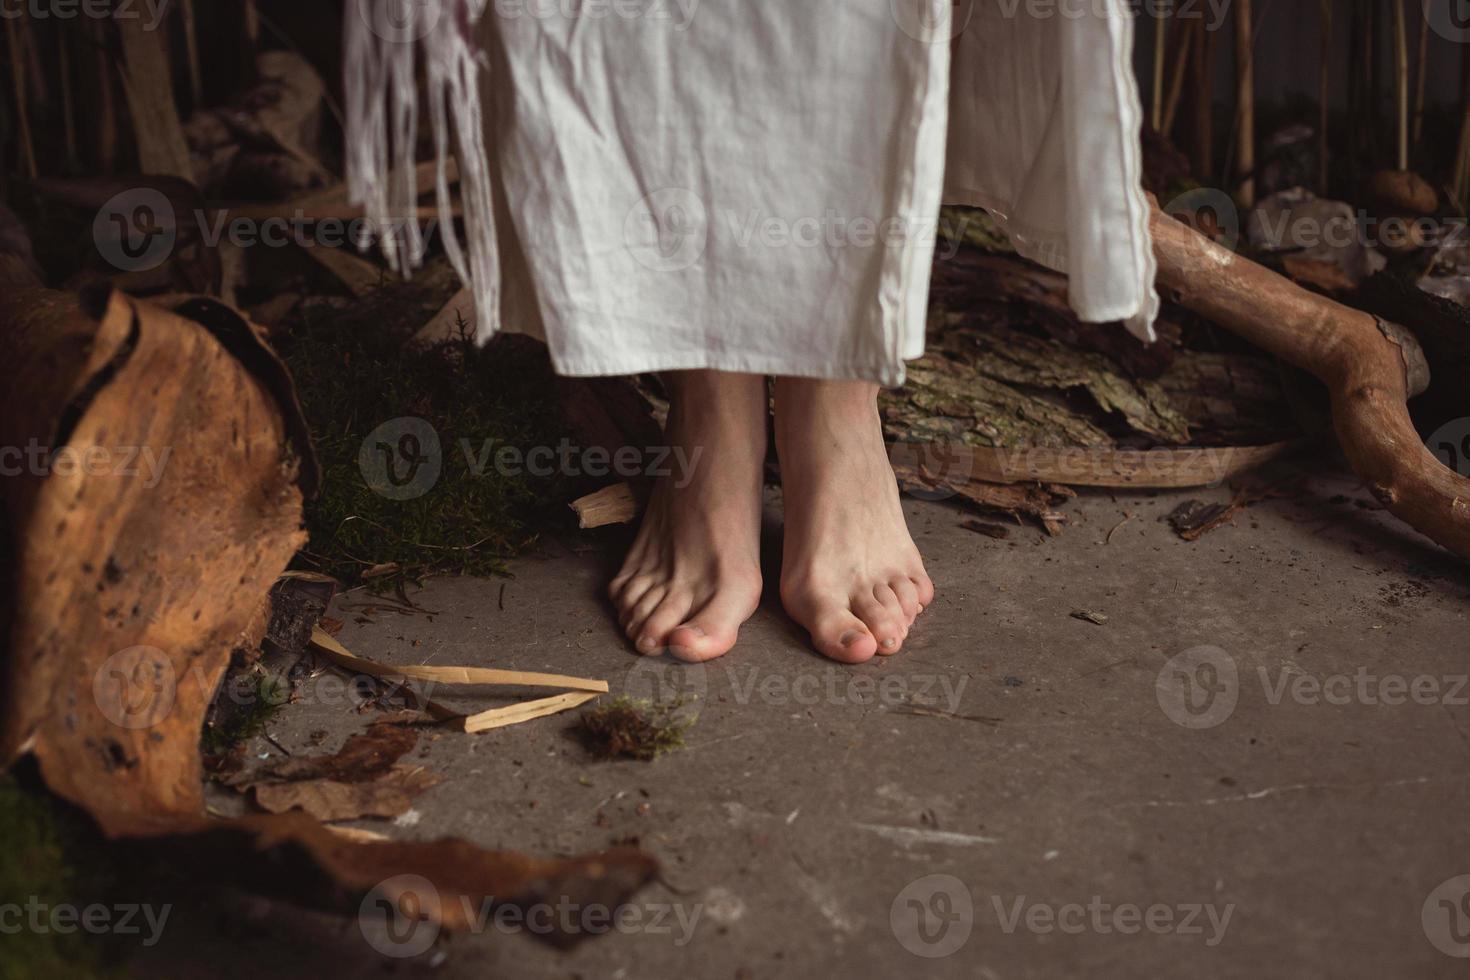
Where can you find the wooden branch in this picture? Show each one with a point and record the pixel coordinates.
(1184, 38)
(191, 50)
(1401, 81)
(1245, 72)
(1423, 66)
(1462, 149)
(1202, 79)
(22, 94)
(1369, 366)
(148, 86)
(1156, 96)
(1324, 95)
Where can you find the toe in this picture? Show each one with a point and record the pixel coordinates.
(925, 588)
(711, 630)
(626, 590)
(885, 621)
(653, 635)
(702, 639)
(634, 616)
(904, 595)
(838, 634)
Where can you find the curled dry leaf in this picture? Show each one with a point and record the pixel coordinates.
(363, 779)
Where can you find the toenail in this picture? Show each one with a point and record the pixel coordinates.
(645, 642)
(890, 643)
(849, 638)
(696, 630)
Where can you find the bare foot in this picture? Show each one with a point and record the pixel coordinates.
(693, 573)
(850, 572)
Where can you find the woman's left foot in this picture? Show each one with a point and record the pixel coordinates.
(850, 572)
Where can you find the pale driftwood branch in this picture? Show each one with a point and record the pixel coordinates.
(1368, 366)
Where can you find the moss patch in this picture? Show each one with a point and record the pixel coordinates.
(52, 856)
(625, 728)
(433, 420)
(262, 698)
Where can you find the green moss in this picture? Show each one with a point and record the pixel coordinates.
(354, 372)
(626, 728)
(265, 696)
(52, 856)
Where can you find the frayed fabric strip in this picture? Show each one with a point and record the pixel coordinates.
(381, 41)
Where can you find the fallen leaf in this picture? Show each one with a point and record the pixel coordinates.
(328, 799)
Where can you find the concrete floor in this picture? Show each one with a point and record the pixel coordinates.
(1020, 793)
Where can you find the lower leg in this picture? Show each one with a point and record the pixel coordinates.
(850, 572)
(693, 573)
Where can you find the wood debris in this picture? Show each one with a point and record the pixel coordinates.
(581, 689)
(1194, 518)
(998, 531)
(610, 505)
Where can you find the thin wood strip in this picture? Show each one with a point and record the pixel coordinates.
(339, 654)
(514, 714)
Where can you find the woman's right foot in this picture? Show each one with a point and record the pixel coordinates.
(692, 576)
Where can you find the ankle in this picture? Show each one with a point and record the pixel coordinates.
(802, 399)
(716, 401)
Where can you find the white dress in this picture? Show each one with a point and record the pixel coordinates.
(751, 185)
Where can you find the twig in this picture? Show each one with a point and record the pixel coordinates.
(1324, 94)
(1423, 72)
(68, 109)
(1161, 26)
(191, 48)
(1127, 516)
(18, 85)
(1401, 81)
(1204, 137)
(1185, 38)
(1462, 152)
(1245, 159)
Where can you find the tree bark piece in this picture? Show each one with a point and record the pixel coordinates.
(158, 507)
(1361, 359)
(131, 590)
